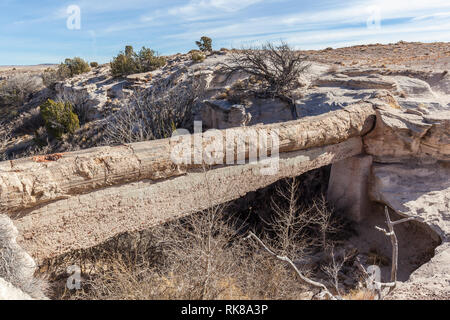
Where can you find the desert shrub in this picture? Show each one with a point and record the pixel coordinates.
(277, 67)
(205, 44)
(68, 69)
(17, 89)
(129, 62)
(80, 102)
(123, 65)
(200, 257)
(76, 66)
(154, 114)
(59, 118)
(28, 123)
(198, 56)
(52, 76)
(94, 64)
(5, 138)
(148, 60)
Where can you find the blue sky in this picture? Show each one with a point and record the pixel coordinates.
(33, 32)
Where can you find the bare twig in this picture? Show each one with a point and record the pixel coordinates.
(394, 241)
(277, 66)
(154, 113)
(325, 291)
(334, 269)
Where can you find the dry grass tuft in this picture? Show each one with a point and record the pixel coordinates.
(198, 258)
(206, 256)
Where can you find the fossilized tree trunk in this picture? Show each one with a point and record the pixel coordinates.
(27, 183)
(72, 201)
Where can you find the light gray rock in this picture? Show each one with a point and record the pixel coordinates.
(9, 292)
(16, 266)
(413, 86)
(415, 190)
(400, 136)
(348, 188)
(222, 114)
(412, 176)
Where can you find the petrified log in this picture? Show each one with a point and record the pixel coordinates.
(33, 182)
(84, 221)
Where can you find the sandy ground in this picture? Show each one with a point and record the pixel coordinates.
(433, 56)
(9, 70)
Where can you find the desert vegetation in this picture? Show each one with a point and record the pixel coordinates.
(68, 69)
(4, 140)
(276, 69)
(154, 114)
(217, 254)
(75, 66)
(59, 118)
(205, 44)
(198, 56)
(130, 62)
(17, 89)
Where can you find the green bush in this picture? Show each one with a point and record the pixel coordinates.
(198, 56)
(94, 64)
(123, 65)
(68, 69)
(75, 66)
(129, 62)
(205, 44)
(148, 60)
(59, 118)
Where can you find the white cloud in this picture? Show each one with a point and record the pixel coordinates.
(199, 7)
(332, 24)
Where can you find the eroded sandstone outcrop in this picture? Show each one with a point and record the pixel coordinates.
(401, 135)
(411, 175)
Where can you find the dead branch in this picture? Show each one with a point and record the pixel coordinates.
(277, 66)
(325, 292)
(154, 113)
(394, 241)
(334, 269)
